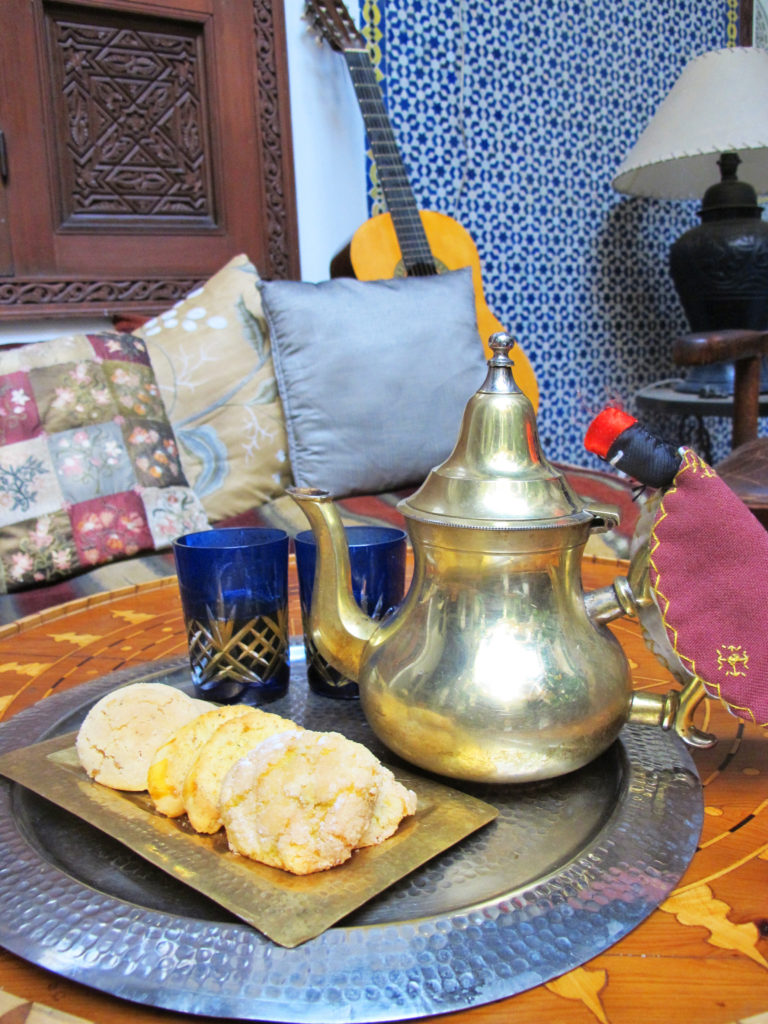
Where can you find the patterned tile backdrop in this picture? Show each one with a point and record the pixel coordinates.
(513, 118)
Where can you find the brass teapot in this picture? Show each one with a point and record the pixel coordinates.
(496, 667)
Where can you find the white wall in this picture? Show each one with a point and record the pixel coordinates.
(329, 158)
(328, 144)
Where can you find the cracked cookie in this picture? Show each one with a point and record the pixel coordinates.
(122, 731)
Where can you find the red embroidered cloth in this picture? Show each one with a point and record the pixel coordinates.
(709, 574)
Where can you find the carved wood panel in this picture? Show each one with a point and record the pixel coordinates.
(137, 144)
(164, 135)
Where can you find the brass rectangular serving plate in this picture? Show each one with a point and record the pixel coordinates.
(288, 909)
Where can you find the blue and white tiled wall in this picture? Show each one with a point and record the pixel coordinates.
(513, 118)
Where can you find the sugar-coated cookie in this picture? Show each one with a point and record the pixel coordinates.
(300, 801)
(173, 760)
(393, 803)
(122, 731)
(233, 739)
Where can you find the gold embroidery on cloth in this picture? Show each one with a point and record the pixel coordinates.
(733, 658)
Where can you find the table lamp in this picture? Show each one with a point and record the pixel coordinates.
(716, 116)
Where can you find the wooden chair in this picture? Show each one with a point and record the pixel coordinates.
(745, 469)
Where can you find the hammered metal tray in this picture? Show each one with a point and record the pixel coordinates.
(288, 909)
(566, 870)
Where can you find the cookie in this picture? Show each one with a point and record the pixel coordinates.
(233, 739)
(393, 803)
(300, 801)
(122, 731)
(173, 760)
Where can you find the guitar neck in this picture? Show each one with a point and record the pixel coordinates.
(401, 204)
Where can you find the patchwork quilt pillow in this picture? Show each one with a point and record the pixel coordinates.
(89, 466)
(211, 354)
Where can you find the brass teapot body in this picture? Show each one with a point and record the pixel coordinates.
(496, 667)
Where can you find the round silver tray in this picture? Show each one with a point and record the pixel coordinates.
(568, 868)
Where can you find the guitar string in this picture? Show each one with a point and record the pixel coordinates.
(409, 230)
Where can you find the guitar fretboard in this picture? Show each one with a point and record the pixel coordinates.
(401, 203)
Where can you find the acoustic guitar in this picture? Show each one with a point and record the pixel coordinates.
(405, 241)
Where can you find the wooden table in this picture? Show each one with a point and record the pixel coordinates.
(702, 956)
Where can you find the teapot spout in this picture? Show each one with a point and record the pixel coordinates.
(338, 626)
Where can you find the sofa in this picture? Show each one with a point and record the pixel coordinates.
(112, 444)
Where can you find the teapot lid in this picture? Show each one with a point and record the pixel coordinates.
(496, 477)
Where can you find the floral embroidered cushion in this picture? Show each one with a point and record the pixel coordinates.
(211, 353)
(89, 466)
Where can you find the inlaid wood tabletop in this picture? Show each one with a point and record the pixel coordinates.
(701, 956)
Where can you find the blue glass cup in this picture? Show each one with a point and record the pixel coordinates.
(234, 595)
(377, 559)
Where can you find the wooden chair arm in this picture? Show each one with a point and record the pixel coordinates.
(745, 349)
(719, 346)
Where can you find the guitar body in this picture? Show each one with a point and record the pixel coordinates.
(374, 255)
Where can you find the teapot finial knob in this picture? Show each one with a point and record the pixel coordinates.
(501, 344)
(500, 378)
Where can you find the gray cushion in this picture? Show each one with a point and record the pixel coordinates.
(373, 375)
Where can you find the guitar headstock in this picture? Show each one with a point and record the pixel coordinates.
(334, 24)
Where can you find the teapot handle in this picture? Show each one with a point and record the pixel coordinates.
(673, 710)
(631, 596)
(605, 517)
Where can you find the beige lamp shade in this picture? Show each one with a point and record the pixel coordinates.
(718, 105)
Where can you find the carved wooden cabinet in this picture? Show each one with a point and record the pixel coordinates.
(144, 143)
